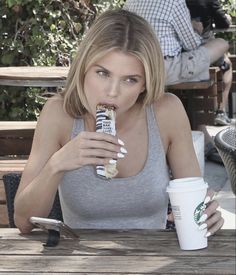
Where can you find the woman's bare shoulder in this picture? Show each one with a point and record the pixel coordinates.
(53, 106)
(168, 106)
(53, 109)
(54, 119)
(171, 115)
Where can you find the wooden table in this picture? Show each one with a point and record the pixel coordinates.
(38, 76)
(114, 252)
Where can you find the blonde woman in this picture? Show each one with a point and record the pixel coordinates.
(119, 64)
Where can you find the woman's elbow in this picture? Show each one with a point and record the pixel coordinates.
(23, 225)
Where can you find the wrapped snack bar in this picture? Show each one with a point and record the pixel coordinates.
(105, 123)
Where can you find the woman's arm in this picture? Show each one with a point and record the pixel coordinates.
(53, 153)
(177, 139)
(40, 178)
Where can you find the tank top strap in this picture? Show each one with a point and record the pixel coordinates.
(154, 132)
(78, 126)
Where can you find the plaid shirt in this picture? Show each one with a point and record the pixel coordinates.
(171, 22)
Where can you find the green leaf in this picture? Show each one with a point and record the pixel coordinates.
(53, 27)
(11, 3)
(7, 59)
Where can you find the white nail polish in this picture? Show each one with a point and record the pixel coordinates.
(207, 199)
(203, 218)
(112, 161)
(208, 234)
(120, 155)
(121, 142)
(202, 226)
(123, 150)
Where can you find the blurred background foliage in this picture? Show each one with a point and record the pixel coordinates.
(230, 8)
(41, 33)
(47, 33)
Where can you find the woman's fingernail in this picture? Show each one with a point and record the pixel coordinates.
(203, 218)
(202, 226)
(123, 150)
(208, 234)
(121, 142)
(112, 161)
(207, 199)
(120, 155)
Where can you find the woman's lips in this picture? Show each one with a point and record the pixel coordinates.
(108, 105)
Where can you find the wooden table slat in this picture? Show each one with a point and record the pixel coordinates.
(191, 85)
(112, 235)
(13, 165)
(115, 252)
(17, 125)
(122, 264)
(35, 73)
(33, 76)
(111, 248)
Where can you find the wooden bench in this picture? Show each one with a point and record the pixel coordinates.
(201, 98)
(15, 145)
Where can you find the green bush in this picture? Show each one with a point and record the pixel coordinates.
(40, 33)
(230, 7)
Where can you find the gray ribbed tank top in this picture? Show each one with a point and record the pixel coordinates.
(136, 202)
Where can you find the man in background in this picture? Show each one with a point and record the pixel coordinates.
(186, 58)
(207, 15)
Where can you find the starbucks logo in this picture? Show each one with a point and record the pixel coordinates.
(198, 212)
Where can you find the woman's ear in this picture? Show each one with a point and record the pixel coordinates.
(143, 89)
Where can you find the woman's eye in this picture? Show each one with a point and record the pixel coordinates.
(131, 80)
(102, 73)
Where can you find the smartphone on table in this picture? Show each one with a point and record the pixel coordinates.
(53, 226)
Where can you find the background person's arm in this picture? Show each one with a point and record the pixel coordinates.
(182, 23)
(197, 26)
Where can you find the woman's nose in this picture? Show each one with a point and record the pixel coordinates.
(113, 89)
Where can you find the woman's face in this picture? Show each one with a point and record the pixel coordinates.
(116, 79)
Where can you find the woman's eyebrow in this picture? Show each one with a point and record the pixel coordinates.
(129, 75)
(101, 67)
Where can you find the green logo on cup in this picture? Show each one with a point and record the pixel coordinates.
(198, 212)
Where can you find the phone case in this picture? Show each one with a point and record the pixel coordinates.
(52, 224)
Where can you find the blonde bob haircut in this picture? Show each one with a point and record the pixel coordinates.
(115, 30)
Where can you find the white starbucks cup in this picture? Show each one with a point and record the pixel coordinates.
(187, 197)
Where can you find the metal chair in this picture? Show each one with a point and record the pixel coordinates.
(11, 183)
(225, 142)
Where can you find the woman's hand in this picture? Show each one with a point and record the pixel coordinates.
(211, 218)
(88, 148)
